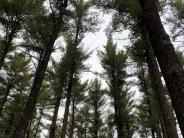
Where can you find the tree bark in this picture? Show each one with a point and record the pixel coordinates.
(31, 102)
(70, 83)
(3, 101)
(147, 99)
(170, 65)
(67, 106)
(153, 133)
(96, 117)
(166, 113)
(160, 94)
(39, 122)
(54, 118)
(39, 76)
(73, 118)
(117, 105)
(117, 115)
(164, 132)
(29, 129)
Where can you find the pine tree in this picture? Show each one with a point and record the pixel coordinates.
(81, 23)
(96, 102)
(114, 64)
(83, 118)
(17, 75)
(148, 117)
(58, 82)
(78, 97)
(17, 72)
(58, 10)
(76, 66)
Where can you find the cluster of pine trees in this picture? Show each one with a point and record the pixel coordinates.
(41, 96)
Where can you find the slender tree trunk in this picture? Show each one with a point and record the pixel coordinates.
(31, 102)
(153, 133)
(3, 101)
(170, 65)
(117, 107)
(96, 118)
(67, 106)
(73, 118)
(164, 132)
(118, 118)
(39, 76)
(54, 118)
(85, 132)
(29, 129)
(148, 100)
(70, 85)
(4, 54)
(158, 132)
(39, 122)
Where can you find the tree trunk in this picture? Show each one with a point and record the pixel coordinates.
(54, 118)
(73, 118)
(3, 101)
(118, 118)
(85, 132)
(160, 94)
(31, 102)
(153, 133)
(96, 118)
(158, 132)
(166, 113)
(70, 85)
(67, 106)
(4, 54)
(164, 132)
(39, 76)
(170, 65)
(117, 108)
(39, 122)
(29, 129)
(117, 105)
(148, 100)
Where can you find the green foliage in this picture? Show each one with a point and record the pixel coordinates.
(38, 23)
(96, 102)
(179, 7)
(114, 64)
(83, 118)
(148, 114)
(14, 13)
(181, 56)
(18, 75)
(137, 52)
(82, 20)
